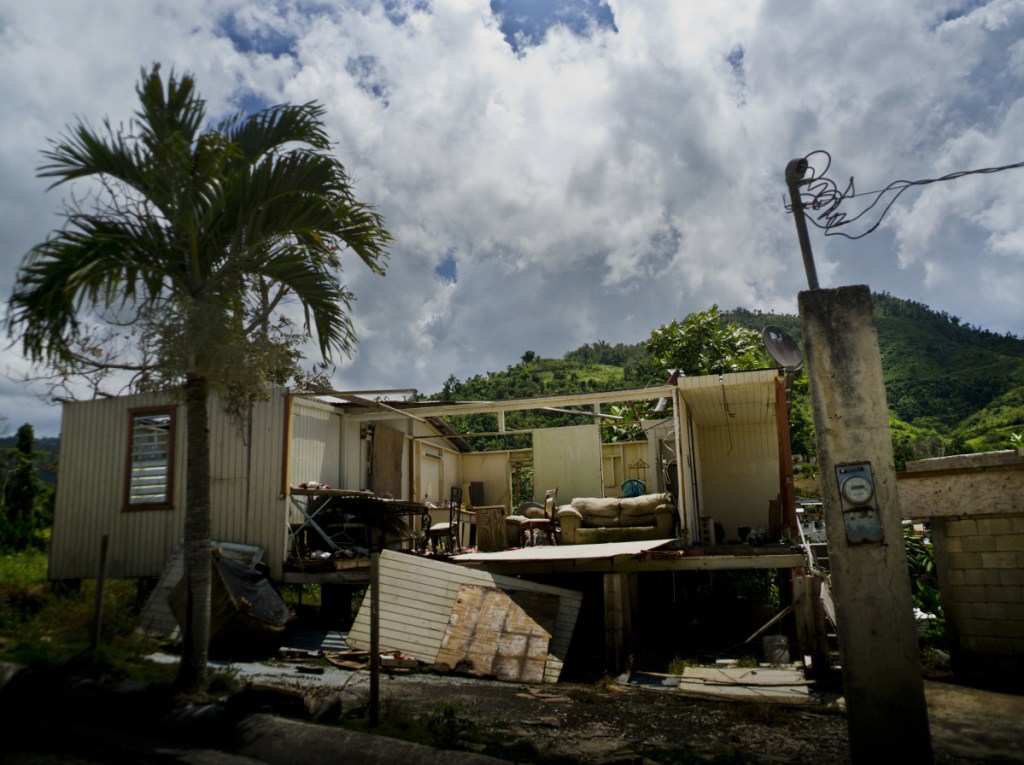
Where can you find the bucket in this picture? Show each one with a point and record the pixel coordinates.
(776, 649)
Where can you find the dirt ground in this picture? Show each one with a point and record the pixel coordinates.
(608, 722)
(557, 724)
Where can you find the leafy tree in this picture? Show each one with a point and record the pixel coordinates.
(196, 238)
(25, 497)
(704, 343)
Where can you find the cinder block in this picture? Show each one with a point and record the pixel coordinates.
(982, 576)
(961, 527)
(998, 560)
(965, 560)
(1011, 576)
(1003, 594)
(996, 611)
(1009, 542)
(1001, 525)
(1007, 628)
(980, 543)
(971, 593)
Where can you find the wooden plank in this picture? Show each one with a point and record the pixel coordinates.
(799, 694)
(762, 676)
(780, 686)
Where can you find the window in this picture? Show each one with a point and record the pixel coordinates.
(150, 481)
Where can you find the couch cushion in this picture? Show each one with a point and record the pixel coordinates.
(644, 504)
(598, 512)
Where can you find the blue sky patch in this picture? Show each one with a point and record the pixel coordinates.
(250, 102)
(445, 270)
(369, 76)
(524, 22)
(266, 41)
(398, 11)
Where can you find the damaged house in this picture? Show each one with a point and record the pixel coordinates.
(289, 478)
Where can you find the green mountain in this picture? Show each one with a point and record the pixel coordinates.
(951, 387)
(942, 376)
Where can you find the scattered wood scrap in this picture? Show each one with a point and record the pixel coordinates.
(348, 659)
(770, 684)
(392, 663)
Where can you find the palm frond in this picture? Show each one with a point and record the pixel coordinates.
(270, 129)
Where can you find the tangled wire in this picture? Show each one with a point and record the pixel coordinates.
(823, 196)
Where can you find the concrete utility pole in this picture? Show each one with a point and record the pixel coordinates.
(886, 712)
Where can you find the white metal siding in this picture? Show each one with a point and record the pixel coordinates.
(417, 596)
(245, 489)
(315, 444)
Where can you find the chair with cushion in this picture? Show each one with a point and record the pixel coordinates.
(533, 523)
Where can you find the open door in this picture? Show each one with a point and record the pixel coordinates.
(386, 462)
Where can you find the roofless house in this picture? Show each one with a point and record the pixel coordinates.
(721, 452)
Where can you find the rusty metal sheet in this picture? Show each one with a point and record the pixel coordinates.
(500, 633)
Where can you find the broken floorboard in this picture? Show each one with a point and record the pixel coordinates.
(777, 685)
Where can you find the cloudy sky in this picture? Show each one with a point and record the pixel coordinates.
(561, 171)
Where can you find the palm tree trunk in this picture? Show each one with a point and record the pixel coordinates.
(198, 568)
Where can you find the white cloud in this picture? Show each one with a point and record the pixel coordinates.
(592, 186)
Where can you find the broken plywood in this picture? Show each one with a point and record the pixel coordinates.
(774, 685)
(501, 634)
(418, 596)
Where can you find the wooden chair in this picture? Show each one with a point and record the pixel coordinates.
(446, 536)
(545, 527)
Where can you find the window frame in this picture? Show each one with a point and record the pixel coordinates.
(167, 503)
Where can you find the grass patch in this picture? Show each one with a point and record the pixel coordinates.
(44, 629)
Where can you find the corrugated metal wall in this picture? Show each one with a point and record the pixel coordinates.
(91, 495)
(245, 489)
(315, 443)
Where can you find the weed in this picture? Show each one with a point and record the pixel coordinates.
(677, 665)
(447, 725)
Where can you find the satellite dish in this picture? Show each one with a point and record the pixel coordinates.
(782, 348)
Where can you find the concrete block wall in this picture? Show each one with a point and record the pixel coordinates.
(980, 566)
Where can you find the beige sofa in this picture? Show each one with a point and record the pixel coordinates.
(595, 520)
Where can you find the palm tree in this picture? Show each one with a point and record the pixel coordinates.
(199, 236)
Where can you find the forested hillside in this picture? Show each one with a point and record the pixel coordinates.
(960, 382)
(951, 387)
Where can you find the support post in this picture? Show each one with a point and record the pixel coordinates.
(809, 614)
(618, 625)
(101, 579)
(886, 711)
(375, 548)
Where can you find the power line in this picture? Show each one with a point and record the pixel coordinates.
(823, 194)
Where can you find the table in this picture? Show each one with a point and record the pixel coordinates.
(370, 511)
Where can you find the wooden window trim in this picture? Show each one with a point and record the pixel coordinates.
(168, 503)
